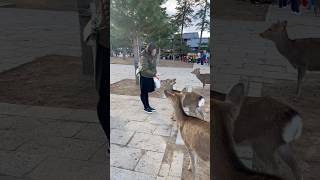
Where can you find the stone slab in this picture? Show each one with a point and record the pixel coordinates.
(148, 142)
(124, 157)
(150, 163)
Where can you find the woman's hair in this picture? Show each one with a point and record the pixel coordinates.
(150, 47)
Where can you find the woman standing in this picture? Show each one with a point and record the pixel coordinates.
(147, 73)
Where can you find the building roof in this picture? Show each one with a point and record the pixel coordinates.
(192, 35)
(194, 43)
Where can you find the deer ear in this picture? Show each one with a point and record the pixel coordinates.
(184, 90)
(236, 94)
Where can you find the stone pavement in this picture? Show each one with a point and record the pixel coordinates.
(148, 146)
(26, 34)
(39, 143)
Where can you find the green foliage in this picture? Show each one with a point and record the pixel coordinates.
(184, 13)
(143, 19)
(203, 14)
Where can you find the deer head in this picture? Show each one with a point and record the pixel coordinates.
(275, 31)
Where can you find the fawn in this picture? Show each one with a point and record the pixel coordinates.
(225, 164)
(303, 54)
(204, 78)
(195, 132)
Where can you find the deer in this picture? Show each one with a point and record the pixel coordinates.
(166, 84)
(194, 131)
(225, 163)
(302, 54)
(264, 119)
(194, 102)
(204, 78)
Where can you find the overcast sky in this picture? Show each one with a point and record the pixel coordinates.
(171, 5)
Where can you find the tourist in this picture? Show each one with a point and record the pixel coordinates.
(295, 6)
(147, 73)
(282, 3)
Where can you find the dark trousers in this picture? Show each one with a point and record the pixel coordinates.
(282, 3)
(101, 77)
(295, 5)
(144, 96)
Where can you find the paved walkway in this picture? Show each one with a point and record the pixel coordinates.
(39, 143)
(26, 34)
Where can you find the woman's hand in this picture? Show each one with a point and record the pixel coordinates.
(157, 76)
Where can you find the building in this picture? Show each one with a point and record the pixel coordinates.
(192, 40)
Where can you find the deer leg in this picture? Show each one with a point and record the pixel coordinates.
(287, 155)
(192, 164)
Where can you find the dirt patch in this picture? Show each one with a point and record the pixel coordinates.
(308, 145)
(163, 63)
(52, 80)
(239, 10)
(128, 87)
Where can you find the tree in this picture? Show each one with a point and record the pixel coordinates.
(138, 19)
(184, 14)
(203, 16)
(87, 53)
(119, 39)
(162, 35)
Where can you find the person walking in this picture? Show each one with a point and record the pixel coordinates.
(147, 73)
(283, 3)
(295, 6)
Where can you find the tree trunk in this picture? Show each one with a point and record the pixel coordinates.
(87, 51)
(173, 55)
(124, 54)
(136, 56)
(182, 24)
(111, 51)
(202, 24)
(159, 56)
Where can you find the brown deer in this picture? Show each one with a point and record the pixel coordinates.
(303, 54)
(270, 127)
(204, 78)
(166, 84)
(194, 102)
(195, 132)
(225, 164)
